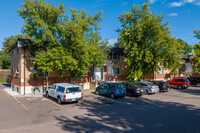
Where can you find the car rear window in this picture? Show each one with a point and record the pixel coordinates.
(165, 83)
(151, 84)
(74, 89)
(186, 80)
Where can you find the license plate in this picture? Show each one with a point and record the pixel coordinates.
(73, 99)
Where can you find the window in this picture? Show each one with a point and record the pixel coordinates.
(160, 71)
(18, 50)
(176, 80)
(74, 89)
(115, 56)
(181, 80)
(116, 71)
(111, 86)
(61, 89)
(143, 84)
(17, 69)
(12, 70)
(54, 87)
(104, 85)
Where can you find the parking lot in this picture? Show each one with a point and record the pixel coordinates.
(173, 111)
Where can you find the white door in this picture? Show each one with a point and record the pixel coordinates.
(99, 73)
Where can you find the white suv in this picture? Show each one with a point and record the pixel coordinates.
(65, 92)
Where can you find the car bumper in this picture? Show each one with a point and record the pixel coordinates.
(120, 94)
(73, 99)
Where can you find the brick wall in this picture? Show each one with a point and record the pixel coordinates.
(4, 73)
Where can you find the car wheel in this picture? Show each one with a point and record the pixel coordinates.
(179, 87)
(59, 100)
(112, 95)
(47, 94)
(198, 84)
(97, 92)
(147, 92)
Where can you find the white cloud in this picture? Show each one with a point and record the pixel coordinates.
(152, 1)
(172, 14)
(189, 1)
(112, 41)
(181, 3)
(176, 4)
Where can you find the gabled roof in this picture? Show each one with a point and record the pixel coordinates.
(118, 50)
(20, 43)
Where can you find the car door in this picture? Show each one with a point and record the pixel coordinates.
(102, 89)
(109, 89)
(176, 82)
(53, 91)
(128, 87)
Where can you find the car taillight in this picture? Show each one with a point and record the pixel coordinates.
(116, 89)
(137, 89)
(65, 96)
(81, 94)
(125, 88)
(151, 87)
(145, 89)
(164, 86)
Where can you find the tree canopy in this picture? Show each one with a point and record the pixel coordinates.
(5, 54)
(67, 44)
(148, 42)
(196, 53)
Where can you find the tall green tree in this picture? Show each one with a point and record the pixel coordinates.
(5, 54)
(148, 42)
(196, 53)
(69, 45)
(187, 49)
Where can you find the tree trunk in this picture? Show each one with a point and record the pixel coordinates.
(47, 79)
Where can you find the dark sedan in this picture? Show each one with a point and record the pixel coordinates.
(133, 89)
(163, 86)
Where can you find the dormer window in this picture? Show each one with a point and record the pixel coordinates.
(114, 56)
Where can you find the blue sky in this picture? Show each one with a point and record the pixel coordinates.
(184, 16)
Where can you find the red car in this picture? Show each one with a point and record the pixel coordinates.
(180, 83)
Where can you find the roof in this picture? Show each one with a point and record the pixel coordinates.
(118, 50)
(66, 85)
(20, 43)
(186, 57)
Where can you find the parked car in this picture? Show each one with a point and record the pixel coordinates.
(111, 89)
(194, 80)
(163, 86)
(180, 83)
(149, 86)
(65, 92)
(133, 89)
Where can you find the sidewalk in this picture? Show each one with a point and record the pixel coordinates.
(16, 94)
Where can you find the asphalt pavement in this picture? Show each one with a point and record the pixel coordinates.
(176, 111)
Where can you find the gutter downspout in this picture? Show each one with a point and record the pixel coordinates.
(24, 68)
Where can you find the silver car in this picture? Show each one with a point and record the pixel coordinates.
(150, 87)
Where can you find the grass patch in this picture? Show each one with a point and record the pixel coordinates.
(2, 80)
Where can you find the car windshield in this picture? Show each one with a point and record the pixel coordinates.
(150, 84)
(74, 89)
(186, 80)
(136, 85)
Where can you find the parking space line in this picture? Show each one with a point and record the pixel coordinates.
(53, 102)
(21, 104)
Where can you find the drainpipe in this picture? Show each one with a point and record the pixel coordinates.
(24, 67)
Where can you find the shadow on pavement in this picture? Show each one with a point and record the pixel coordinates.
(193, 91)
(6, 85)
(133, 115)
